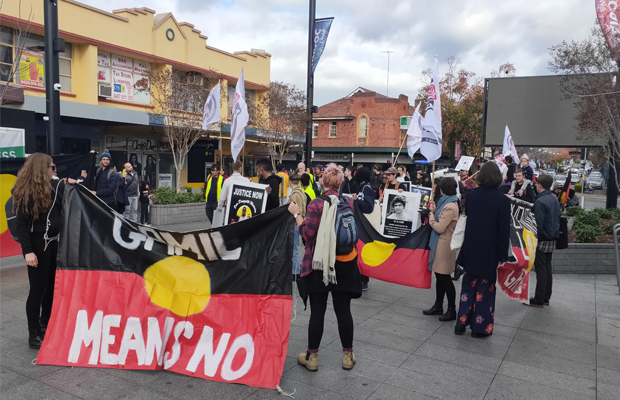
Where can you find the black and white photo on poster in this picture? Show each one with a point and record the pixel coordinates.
(400, 213)
(245, 200)
(425, 195)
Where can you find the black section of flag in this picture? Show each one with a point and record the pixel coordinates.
(67, 166)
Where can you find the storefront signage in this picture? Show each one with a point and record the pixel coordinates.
(165, 180)
(103, 75)
(103, 59)
(141, 67)
(142, 86)
(331, 157)
(122, 88)
(12, 144)
(122, 63)
(405, 122)
(211, 144)
(115, 143)
(144, 145)
(31, 69)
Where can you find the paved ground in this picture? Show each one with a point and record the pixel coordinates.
(570, 350)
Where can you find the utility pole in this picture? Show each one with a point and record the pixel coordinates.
(387, 89)
(310, 83)
(53, 46)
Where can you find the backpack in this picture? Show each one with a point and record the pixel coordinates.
(346, 229)
(11, 218)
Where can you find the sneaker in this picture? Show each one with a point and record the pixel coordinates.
(348, 361)
(309, 360)
(534, 303)
(364, 286)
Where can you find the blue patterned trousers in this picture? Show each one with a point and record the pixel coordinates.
(477, 304)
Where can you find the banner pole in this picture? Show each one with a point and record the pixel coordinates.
(401, 147)
(222, 148)
(433, 182)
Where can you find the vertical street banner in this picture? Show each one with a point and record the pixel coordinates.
(211, 113)
(213, 304)
(321, 31)
(509, 146)
(414, 132)
(239, 119)
(432, 136)
(32, 69)
(67, 166)
(403, 261)
(245, 201)
(608, 14)
(513, 276)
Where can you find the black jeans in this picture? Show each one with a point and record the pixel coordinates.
(41, 278)
(445, 287)
(210, 207)
(342, 308)
(144, 213)
(544, 276)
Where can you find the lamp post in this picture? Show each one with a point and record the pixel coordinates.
(53, 46)
(310, 83)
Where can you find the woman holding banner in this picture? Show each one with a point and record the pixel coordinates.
(486, 245)
(443, 218)
(37, 203)
(322, 274)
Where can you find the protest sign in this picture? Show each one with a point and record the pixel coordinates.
(400, 213)
(425, 195)
(211, 304)
(245, 200)
(464, 164)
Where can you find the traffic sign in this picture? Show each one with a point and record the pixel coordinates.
(404, 122)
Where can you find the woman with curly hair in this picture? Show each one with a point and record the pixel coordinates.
(37, 203)
(323, 271)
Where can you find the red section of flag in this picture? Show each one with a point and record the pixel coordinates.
(236, 338)
(514, 279)
(8, 246)
(404, 267)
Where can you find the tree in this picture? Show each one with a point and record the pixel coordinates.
(286, 121)
(590, 77)
(179, 96)
(21, 31)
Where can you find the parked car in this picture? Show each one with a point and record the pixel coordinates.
(595, 180)
(559, 181)
(575, 178)
(551, 172)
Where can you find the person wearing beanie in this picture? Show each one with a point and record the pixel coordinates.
(106, 180)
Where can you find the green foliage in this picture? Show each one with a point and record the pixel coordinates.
(587, 233)
(573, 211)
(609, 228)
(588, 218)
(166, 195)
(604, 213)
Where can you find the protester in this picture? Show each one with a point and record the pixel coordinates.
(223, 174)
(301, 168)
(443, 218)
(527, 170)
(402, 175)
(120, 194)
(263, 168)
(384, 182)
(213, 191)
(299, 197)
(236, 177)
(392, 182)
(323, 272)
(37, 204)
(130, 181)
(365, 201)
(468, 182)
(349, 185)
(305, 183)
(521, 188)
(317, 185)
(427, 181)
(283, 191)
(106, 181)
(419, 178)
(547, 213)
(376, 179)
(487, 235)
(512, 167)
(436, 191)
(145, 203)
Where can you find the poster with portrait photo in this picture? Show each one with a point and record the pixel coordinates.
(425, 195)
(245, 200)
(400, 213)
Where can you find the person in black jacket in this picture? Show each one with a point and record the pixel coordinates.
(263, 168)
(523, 189)
(365, 201)
(349, 185)
(512, 167)
(37, 204)
(487, 234)
(106, 181)
(145, 197)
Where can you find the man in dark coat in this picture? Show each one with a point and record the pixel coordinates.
(264, 170)
(106, 180)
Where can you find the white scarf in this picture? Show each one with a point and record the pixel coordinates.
(324, 258)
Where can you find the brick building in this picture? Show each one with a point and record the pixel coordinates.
(363, 127)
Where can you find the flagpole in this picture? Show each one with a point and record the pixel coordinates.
(433, 182)
(401, 147)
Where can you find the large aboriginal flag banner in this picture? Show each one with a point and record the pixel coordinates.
(513, 277)
(401, 260)
(214, 304)
(67, 166)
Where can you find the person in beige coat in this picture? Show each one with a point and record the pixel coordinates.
(443, 218)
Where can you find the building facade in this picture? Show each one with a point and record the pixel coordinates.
(106, 95)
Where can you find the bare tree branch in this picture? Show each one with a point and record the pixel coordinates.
(21, 32)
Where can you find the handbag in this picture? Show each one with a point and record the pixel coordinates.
(562, 242)
(459, 233)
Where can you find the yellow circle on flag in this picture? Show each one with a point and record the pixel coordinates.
(375, 253)
(178, 284)
(7, 182)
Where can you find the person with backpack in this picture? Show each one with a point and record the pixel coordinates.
(37, 206)
(329, 265)
(106, 181)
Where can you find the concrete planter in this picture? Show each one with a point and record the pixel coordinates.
(585, 258)
(171, 214)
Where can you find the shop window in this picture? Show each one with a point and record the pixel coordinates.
(363, 127)
(315, 130)
(332, 129)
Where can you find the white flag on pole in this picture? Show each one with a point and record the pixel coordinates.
(240, 118)
(509, 146)
(431, 137)
(414, 133)
(211, 113)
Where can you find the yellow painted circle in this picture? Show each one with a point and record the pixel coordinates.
(248, 212)
(375, 253)
(6, 184)
(178, 284)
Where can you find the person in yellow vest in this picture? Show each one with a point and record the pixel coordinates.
(213, 190)
(285, 182)
(306, 185)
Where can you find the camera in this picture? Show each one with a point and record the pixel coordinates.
(57, 87)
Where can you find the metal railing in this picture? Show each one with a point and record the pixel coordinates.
(616, 230)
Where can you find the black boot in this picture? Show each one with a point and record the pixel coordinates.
(450, 315)
(34, 340)
(43, 324)
(437, 309)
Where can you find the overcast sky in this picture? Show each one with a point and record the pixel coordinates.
(482, 33)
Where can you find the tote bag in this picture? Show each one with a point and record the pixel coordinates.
(459, 233)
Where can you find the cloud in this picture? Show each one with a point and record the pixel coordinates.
(482, 33)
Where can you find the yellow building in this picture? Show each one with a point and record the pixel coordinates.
(107, 58)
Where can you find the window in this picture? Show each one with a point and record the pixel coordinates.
(190, 91)
(65, 68)
(363, 127)
(315, 130)
(332, 129)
